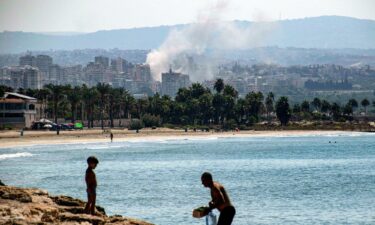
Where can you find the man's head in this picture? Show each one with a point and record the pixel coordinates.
(207, 179)
(92, 161)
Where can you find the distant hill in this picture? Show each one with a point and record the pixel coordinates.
(316, 32)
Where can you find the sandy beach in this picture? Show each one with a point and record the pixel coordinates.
(13, 138)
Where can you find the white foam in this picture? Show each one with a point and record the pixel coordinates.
(15, 155)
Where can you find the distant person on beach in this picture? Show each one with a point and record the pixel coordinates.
(91, 184)
(220, 200)
(111, 135)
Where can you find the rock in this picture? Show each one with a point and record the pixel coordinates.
(67, 201)
(1, 183)
(35, 206)
(16, 194)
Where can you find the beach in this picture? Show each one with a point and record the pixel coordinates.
(13, 138)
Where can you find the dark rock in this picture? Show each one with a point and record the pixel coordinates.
(67, 201)
(81, 218)
(15, 194)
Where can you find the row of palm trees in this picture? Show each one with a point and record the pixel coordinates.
(194, 105)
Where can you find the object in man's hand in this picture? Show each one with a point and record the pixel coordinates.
(201, 212)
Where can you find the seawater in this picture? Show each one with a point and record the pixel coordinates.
(321, 179)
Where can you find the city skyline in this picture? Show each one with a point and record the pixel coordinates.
(94, 15)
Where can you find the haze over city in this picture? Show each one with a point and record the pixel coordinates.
(94, 15)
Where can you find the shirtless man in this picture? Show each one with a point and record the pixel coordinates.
(220, 200)
(91, 184)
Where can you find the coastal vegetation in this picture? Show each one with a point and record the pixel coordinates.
(193, 107)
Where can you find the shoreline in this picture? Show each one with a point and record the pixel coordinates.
(9, 139)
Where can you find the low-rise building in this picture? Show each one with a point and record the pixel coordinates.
(17, 110)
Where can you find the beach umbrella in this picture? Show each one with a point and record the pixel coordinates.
(47, 126)
(78, 125)
(45, 121)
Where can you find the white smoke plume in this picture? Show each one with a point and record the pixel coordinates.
(209, 34)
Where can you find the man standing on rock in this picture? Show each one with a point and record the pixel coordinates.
(220, 200)
(91, 184)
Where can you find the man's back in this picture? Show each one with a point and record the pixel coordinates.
(220, 196)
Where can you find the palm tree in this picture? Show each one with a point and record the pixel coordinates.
(230, 91)
(114, 102)
(317, 104)
(305, 106)
(89, 96)
(335, 111)
(57, 94)
(218, 104)
(205, 107)
(325, 106)
(129, 104)
(103, 90)
(269, 104)
(4, 89)
(240, 110)
(74, 96)
(353, 104)
(296, 108)
(365, 103)
(283, 110)
(254, 104)
(219, 85)
(166, 106)
(42, 95)
(121, 102)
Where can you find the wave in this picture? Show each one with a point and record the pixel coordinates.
(15, 155)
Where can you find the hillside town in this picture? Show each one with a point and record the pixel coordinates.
(34, 72)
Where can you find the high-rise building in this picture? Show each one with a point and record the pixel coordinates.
(172, 81)
(142, 72)
(118, 65)
(16, 78)
(55, 75)
(31, 78)
(94, 73)
(43, 62)
(27, 60)
(25, 77)
(73, 75)
(104, 61)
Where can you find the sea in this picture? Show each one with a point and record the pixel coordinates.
(283, 179)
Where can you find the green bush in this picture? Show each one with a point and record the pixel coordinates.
(7, 127)
(252, 120)
(169, 125)
(243, 127)
(230, 124)
(135, 124)
(151, 120)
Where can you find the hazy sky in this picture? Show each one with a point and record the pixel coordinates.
(93, 15)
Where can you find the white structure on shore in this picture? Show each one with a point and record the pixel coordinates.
(17, 110)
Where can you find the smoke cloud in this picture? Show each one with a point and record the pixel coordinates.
(195, 49)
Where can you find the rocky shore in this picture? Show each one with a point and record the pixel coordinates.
(35, 206)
